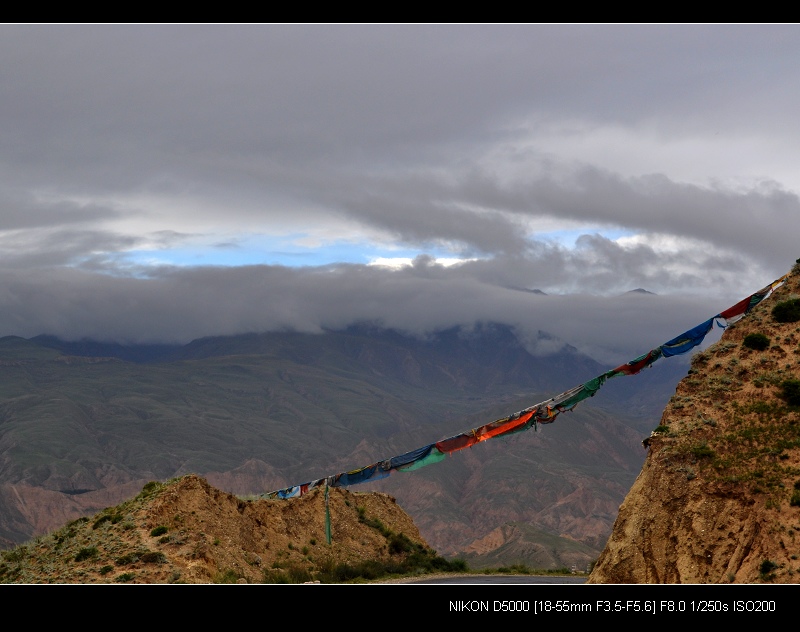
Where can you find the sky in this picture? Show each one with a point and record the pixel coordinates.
(161, 183)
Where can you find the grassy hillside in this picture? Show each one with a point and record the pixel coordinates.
(185, 531)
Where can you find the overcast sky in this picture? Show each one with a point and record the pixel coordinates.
(159, 183)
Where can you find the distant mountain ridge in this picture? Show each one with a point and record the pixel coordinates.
(484, 354)
(483, 345)
(639, 290)
(139, 353)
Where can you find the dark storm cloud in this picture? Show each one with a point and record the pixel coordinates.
(474, 140)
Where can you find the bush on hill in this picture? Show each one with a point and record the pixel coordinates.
(759, 342)
(787, 311)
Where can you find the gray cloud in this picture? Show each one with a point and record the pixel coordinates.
(477, 140)
(21, 210)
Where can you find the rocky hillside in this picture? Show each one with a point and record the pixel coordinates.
(185, 531)
(718, 497)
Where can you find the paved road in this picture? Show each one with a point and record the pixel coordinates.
(501, 579)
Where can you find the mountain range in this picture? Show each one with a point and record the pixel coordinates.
(85, 424)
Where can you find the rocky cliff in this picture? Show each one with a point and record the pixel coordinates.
(718, 497)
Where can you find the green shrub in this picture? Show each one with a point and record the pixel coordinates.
(787, 311)
(15, 555)
(790, 392)
(125, 577)
(702, 451)
(148, 490)
(227, 577)
(124, 560)
(459, 566)
(161, 530)
(86, 554)
(795, 501)
(759, 342)
(419, 561)
(112, 518)
(298, 574)
(275, 578)
(153, 557)
(100, 521)
(400, 543)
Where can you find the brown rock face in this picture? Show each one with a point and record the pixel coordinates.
(718, 497)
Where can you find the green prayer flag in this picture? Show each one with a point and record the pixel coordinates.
(327, 517)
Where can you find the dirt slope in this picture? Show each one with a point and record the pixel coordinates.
(185, 531)
(718, 497)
